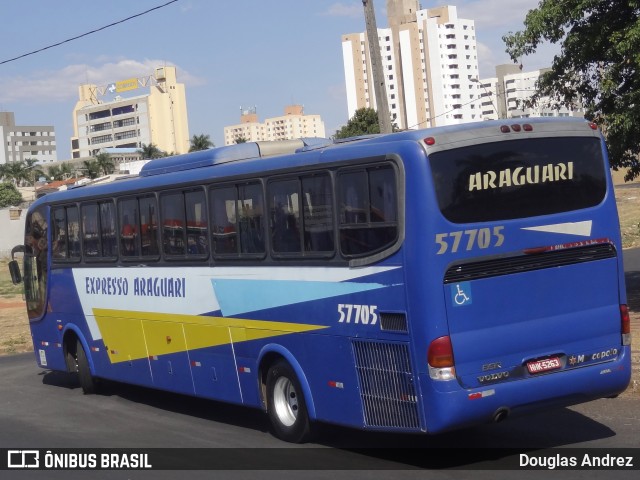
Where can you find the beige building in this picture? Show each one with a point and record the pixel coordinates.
(293, 124)
(430, 66)
(20, 142)
(159, 117)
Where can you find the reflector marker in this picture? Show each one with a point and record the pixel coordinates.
(484, 393)
(336, 384)
(244, 369)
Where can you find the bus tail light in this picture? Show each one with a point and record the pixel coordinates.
(625, 324)
(440, 359)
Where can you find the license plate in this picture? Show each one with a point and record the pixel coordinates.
(539, 366)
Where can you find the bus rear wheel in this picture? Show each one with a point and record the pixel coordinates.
(286, 405)
(88, 383)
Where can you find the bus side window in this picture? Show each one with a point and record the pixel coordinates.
(59, 234)
(285, 216)
(250, 218)
(173, 224)
(128, 213)
(73, 231)
(224, 202)
(108, 230)
(90, 237)
(317, 199)
(368, 210)
(66, 233)
(197, 224)
(149, 227)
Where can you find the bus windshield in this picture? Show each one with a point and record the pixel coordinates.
(518, 178)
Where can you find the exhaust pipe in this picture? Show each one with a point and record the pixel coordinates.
(500, 414)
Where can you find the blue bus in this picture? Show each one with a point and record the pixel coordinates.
(420, 281)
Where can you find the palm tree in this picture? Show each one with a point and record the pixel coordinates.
(151, 151)
(21, 172)
(105, 163)
(33, 171)
(240, 139)
(92, 168)
(60, 172)
(200, 142)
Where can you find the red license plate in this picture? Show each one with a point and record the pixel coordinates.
(539, 366)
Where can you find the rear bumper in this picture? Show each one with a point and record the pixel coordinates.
(452, 407)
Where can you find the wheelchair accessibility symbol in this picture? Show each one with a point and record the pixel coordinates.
(461, 294)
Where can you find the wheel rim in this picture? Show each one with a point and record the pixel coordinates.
(285, 401)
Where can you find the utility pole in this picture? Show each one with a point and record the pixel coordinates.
(384, 117)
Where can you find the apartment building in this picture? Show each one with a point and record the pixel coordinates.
(293, 124)
(159, 117)
(21, 142)
(429, 58)
(506, 94)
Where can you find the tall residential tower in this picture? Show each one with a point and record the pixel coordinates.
(430, 66)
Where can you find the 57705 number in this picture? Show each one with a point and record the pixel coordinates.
(365, 314)
(470, 239)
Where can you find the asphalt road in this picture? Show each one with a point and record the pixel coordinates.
(43, 409)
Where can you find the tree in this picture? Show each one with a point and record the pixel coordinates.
(9, 195)
(151, 151)
(59, 172)
(92, 168)
(598, 66)
(200, 142)
(105, 163)
(21, 172)
(240, 139)
(363, 122)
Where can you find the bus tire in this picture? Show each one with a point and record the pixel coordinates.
(286, 405)
(88, 383)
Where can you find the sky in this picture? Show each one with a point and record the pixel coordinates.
(230, 55)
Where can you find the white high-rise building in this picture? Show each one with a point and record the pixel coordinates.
(506, 96)
(430, 64)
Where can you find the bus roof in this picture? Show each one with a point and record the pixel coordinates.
(248, 158)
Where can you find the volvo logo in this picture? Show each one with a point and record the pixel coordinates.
(493, 377)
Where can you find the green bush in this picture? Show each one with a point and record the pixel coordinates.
(9, 195)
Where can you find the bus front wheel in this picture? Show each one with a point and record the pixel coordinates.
(87, 382)
(286, 406)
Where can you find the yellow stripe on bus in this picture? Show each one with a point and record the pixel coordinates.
(130, 335)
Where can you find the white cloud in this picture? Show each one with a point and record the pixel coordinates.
(497, 14)
(487, 60)
(342, 10)
(62, 85)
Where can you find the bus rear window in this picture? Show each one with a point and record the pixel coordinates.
(518, 178)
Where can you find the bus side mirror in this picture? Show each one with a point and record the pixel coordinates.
(14, 270)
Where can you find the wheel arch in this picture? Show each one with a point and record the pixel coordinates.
(267, 357)
(70, 335)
